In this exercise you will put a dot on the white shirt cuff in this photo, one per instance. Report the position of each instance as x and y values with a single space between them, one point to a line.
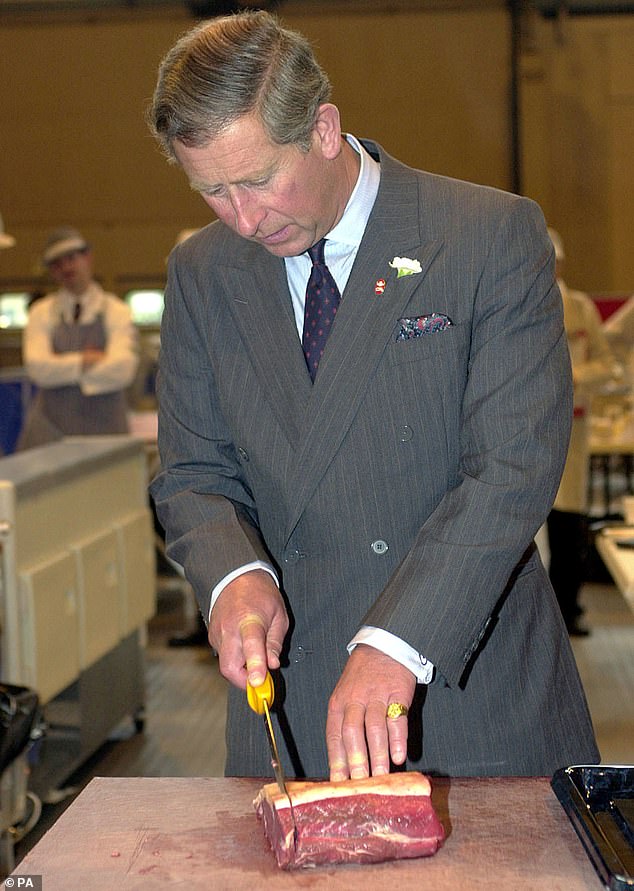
248 567
393 646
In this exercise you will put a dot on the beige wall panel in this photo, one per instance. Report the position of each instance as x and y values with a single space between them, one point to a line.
77 149
621 240
578 142
432 86
621 62
535 132
621 88
580 165
421 84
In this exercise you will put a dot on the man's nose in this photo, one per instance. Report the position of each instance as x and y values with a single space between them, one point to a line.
64 267
248 214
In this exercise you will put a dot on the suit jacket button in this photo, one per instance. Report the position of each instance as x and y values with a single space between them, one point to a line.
292 557
406 433
243 454
300 654
379 546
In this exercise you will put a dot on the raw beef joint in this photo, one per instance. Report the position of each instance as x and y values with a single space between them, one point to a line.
355 821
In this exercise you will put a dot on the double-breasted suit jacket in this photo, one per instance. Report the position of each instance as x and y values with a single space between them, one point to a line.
403 489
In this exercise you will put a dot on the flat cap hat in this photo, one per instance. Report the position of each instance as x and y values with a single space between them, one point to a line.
61 242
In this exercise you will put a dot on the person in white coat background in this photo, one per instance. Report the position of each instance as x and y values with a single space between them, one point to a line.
80 348
592 365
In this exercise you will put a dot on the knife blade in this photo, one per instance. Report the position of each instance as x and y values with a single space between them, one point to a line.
260 700
275 756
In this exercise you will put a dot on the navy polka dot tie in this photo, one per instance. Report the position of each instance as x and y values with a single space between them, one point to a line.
322 300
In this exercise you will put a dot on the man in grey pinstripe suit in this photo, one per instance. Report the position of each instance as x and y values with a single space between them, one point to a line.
367 537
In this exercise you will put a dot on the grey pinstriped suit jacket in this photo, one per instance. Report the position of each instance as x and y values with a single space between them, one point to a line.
403 490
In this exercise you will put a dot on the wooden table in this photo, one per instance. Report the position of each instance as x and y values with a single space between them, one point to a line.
202 833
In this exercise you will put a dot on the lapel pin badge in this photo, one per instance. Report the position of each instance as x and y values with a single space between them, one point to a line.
379 287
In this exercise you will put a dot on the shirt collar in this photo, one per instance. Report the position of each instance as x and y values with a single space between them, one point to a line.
350 228
91 300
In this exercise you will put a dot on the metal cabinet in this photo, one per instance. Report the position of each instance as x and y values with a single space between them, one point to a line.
77 585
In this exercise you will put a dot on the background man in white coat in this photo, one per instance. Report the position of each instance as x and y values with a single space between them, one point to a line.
80 347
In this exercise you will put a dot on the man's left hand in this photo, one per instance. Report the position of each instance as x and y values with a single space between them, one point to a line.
361 738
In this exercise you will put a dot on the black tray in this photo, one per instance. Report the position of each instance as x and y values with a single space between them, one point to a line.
599 800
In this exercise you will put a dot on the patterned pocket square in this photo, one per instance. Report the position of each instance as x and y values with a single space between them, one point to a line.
416 327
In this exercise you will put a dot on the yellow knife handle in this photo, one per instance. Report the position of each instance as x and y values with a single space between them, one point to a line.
257 696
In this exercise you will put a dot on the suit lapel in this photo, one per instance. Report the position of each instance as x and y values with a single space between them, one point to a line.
262 309
365 324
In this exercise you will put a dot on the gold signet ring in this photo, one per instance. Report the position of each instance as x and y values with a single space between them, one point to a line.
396 709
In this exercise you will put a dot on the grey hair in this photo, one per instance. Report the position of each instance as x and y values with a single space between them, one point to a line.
229 67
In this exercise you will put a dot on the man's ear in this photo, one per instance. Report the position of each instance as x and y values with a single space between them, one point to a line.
327 131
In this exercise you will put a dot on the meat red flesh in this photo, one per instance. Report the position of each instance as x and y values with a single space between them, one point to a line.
356 821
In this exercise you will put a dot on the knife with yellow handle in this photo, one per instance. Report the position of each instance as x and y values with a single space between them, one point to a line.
261 699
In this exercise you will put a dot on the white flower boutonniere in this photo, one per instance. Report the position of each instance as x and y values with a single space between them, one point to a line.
405 266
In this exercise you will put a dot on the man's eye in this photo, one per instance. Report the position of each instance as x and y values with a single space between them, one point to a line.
261 183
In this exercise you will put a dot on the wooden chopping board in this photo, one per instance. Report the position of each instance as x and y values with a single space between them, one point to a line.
202 833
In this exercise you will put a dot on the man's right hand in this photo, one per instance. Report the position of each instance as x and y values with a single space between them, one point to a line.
247 628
